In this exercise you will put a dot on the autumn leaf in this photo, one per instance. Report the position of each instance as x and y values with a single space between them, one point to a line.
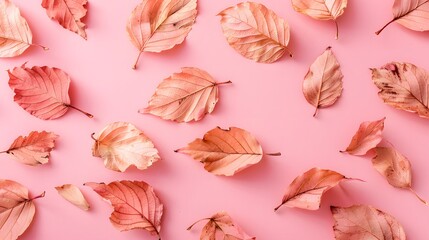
225 151
321 9
306 190
158 25
412 14
221 226
185 96
17 209
323 83
33 149
73 194
68 13
135 204
403 86
42 91
365 222
368 136
255 32
121 145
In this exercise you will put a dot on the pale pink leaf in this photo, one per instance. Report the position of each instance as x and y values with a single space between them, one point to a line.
368 136
73 194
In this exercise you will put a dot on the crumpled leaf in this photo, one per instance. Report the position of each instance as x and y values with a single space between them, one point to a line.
321 9
368 136
306 190
121 145
323 83
225 151
42 91
403 86
135 204
17 209
68 13
221 226
365 222
185 96
158 25
73 194
412 14
395 167
33 149
255 32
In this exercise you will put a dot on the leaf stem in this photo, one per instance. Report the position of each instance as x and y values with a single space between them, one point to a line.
36 197
277 208
316 111
223 83
137 60
421 199
93 138
6 151
274 154
79 110
38 45
387 24
192 225
336 26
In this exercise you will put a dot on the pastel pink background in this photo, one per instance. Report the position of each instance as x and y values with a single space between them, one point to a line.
264 99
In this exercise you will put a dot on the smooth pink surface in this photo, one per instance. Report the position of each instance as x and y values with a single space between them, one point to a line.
264 99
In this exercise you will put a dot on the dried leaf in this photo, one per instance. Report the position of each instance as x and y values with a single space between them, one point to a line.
185 96
306 191
323 83
73 194
321 9
16 209
158 25
365 222
42 91
221 226
33 149
255 31
395 167
403 86
135 204
68 13
225 151
412 14
368 136
121 145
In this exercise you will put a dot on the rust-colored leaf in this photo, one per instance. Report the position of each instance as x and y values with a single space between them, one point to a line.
365 222
323 83
255 31
368 136
68 13
73 194
121 145
185 96
135 204
158 25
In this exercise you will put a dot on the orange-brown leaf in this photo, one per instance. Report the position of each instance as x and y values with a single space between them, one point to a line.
368 136
73 194
255 31
121 145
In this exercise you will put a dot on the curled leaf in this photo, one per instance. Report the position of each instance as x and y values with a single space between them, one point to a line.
185 96
255 31
368 136
135 204
121 145
73 194
365 222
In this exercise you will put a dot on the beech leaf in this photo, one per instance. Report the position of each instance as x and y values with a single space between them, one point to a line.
221 226
68 13
365 222
255 31
135 204
121 145
17 209
368 136
403 86
73 194
323 83
158 25
321 9
185 96
306 190
412 14
225 151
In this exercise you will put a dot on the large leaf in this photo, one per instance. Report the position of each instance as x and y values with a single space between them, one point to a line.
368 136
73 194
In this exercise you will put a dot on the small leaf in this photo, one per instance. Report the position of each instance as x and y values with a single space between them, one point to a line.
73 194
135 204
121 145
255 32
365 222
368 136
